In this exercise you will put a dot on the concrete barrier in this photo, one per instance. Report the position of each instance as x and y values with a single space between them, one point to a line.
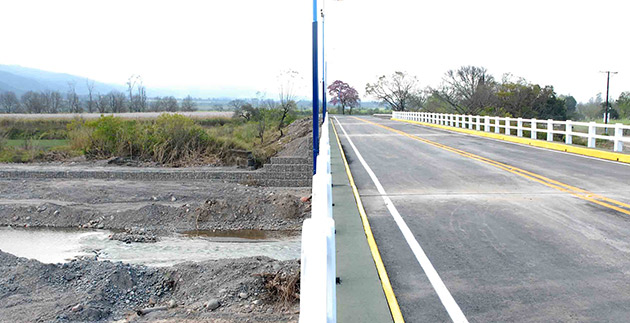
318 301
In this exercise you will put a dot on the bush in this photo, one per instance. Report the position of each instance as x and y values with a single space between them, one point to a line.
169 139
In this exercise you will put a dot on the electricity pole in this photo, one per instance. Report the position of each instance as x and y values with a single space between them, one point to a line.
315 90
607 89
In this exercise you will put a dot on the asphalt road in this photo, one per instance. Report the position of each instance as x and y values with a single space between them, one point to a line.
507 248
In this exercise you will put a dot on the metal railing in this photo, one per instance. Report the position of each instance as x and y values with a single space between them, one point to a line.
591 131
318 301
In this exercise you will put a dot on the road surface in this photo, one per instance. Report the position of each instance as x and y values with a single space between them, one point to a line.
476 229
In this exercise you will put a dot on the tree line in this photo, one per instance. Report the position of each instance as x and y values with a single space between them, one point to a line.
472 90
134 100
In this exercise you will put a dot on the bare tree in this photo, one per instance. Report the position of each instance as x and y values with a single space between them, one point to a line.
55 102
141 98
188 104
468 90
287 88
399 91
131 83
91 104
117 101
170 104
102 103
74 105
33 102
9 102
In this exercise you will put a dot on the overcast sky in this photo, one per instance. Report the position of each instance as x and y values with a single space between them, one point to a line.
245 44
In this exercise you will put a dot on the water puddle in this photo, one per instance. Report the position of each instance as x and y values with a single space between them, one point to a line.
243 235
62 245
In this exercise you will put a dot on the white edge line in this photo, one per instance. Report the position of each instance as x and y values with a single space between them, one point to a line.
513 143
445 296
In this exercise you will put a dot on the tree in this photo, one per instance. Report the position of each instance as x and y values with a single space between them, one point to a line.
170 104
9 102
399 91
117 101
623 105
33 102
287 105
244 110
91 104
343 95
468 90
102 103
74 105
55 102
131 83
188 104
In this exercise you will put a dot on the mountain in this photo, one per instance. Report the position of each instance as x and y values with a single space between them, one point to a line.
23 79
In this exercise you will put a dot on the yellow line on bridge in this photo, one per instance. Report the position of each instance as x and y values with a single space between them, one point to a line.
575 191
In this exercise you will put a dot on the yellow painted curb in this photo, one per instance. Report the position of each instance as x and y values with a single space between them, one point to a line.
624 158
376 255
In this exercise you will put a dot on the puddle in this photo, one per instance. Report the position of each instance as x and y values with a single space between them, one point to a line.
243 235
62 245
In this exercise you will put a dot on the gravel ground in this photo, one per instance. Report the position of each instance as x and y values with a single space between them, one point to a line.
99 291
160 207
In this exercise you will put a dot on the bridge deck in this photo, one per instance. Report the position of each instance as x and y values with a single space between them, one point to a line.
513 233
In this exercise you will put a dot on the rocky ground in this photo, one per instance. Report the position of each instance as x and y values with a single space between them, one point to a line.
158 207
240 290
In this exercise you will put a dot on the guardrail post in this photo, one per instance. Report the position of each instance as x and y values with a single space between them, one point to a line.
549 129
486 126
470 122
568 132
519 127
618 144
533 126
508 126
478 123
496 125
592 132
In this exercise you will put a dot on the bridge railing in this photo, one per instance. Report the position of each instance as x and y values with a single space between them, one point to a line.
318 302
616 134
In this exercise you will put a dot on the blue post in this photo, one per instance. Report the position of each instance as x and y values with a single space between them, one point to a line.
315 91
324 72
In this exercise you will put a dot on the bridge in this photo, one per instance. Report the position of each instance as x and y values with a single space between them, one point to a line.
444 218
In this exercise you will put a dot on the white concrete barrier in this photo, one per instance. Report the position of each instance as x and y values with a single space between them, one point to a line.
615 133
318 300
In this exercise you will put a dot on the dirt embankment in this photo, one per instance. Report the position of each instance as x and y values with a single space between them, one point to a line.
237 290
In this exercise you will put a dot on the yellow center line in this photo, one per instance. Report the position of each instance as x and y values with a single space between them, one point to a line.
394 308
575 191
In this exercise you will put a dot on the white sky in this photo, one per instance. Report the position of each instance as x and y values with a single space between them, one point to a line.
246 43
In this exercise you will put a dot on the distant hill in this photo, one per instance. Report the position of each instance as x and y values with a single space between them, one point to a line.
23 79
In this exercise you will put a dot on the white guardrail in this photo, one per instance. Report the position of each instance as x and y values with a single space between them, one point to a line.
318 300
516 126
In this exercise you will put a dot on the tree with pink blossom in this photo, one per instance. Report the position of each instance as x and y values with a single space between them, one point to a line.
343 95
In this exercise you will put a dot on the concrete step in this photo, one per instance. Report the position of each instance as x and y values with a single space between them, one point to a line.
290 160
302 168
285 183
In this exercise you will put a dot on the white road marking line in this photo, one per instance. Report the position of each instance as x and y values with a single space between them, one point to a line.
445 296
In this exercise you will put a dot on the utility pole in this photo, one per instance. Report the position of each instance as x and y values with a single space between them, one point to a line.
323 67
607 95
315 90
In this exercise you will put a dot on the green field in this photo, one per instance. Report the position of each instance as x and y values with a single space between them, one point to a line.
43 144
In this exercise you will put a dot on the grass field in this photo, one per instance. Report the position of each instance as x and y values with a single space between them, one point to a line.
43 144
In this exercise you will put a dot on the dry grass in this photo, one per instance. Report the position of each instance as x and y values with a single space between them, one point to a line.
283 288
